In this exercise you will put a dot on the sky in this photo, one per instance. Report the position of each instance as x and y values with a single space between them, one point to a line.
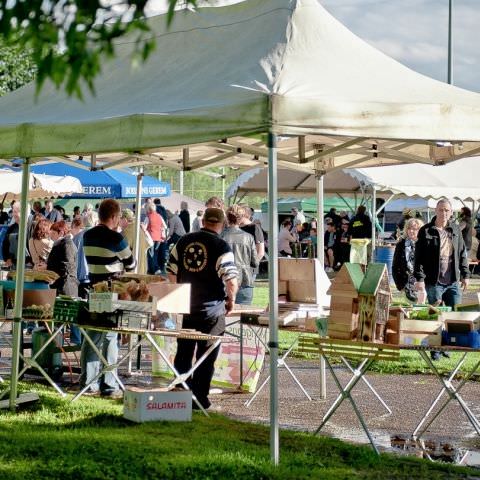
414 32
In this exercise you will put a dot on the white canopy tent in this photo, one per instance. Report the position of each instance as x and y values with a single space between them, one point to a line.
280 67
458 180
39 186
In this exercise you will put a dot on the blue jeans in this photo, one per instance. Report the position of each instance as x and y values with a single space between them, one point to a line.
244 296
90 364
152 258
450 294
75 335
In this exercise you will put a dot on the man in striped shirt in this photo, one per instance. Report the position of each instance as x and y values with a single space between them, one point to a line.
106 250
204 260
108 254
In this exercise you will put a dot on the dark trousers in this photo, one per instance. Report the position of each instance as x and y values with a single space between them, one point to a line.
162 258
200 381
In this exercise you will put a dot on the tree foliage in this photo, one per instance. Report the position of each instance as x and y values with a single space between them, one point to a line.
67 38
16 68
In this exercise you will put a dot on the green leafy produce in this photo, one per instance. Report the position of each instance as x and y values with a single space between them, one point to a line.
423 315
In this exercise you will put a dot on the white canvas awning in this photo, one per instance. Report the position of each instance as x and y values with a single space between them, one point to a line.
285 66
291 183
40 186
457 180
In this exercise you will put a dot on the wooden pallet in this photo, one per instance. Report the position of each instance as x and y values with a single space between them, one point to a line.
348 349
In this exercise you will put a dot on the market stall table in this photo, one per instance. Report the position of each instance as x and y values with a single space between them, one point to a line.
55 332
281 362
149 337
368 353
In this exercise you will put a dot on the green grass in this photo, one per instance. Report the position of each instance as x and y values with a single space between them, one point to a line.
89 439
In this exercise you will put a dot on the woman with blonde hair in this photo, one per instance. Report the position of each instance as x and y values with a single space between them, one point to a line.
404 259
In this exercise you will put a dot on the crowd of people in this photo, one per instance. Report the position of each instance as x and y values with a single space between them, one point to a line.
339 229
218 253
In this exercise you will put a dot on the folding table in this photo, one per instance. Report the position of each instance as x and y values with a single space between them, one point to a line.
148 336
281 362
55 330
366 354
447 386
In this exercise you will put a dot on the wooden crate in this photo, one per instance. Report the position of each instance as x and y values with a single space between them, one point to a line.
403 331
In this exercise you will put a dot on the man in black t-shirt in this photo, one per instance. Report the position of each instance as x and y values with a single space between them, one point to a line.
204 260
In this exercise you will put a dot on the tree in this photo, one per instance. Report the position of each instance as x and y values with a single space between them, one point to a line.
67 38
16 68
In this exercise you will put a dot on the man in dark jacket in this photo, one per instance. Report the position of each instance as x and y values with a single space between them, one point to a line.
205 261
441 264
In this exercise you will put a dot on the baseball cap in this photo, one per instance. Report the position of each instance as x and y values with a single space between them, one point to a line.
214 215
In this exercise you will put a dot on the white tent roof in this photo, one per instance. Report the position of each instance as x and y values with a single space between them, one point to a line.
454 180
40 186
291 182
281 65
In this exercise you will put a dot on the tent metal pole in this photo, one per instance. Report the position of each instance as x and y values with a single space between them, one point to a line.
223 184
181 178
273 295
450 43
138 208
321 260
374 219
387 201
17 308
320 222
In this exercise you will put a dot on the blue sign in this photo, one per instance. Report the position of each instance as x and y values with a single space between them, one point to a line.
110 183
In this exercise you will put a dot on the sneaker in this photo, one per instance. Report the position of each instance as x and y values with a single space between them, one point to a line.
115 394
328 269
91 393
445 354
434 355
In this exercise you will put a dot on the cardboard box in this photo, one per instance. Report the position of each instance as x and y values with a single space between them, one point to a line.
282 287
109 302
306 280
302 291
470 318
420 332
171 297
141 405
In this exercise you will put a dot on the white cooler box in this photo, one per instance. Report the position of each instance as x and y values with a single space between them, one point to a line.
142 405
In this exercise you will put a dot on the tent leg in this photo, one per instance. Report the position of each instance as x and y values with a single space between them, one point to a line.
17 309
374 221
321 259
320 222
136 244
138 207
273 295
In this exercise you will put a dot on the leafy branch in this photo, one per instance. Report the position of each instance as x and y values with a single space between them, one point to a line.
68 39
